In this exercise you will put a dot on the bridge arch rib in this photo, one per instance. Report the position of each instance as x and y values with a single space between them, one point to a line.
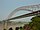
15 11
26 8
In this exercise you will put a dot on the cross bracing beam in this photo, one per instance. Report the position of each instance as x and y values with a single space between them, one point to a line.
26 15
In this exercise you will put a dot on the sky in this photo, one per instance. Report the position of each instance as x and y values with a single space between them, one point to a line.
7 6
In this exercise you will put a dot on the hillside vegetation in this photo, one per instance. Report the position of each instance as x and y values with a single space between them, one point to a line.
35 24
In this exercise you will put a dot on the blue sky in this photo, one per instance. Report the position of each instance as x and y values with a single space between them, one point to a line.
7 6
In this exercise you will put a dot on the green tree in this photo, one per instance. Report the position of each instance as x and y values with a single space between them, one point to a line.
35 24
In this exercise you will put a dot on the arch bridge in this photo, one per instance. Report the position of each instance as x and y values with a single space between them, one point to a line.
35 10
32 8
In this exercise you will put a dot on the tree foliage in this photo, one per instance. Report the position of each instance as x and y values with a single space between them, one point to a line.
35 24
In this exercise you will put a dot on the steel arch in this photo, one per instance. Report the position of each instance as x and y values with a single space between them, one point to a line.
26 8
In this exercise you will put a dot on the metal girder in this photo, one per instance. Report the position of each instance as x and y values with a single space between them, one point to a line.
26 15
